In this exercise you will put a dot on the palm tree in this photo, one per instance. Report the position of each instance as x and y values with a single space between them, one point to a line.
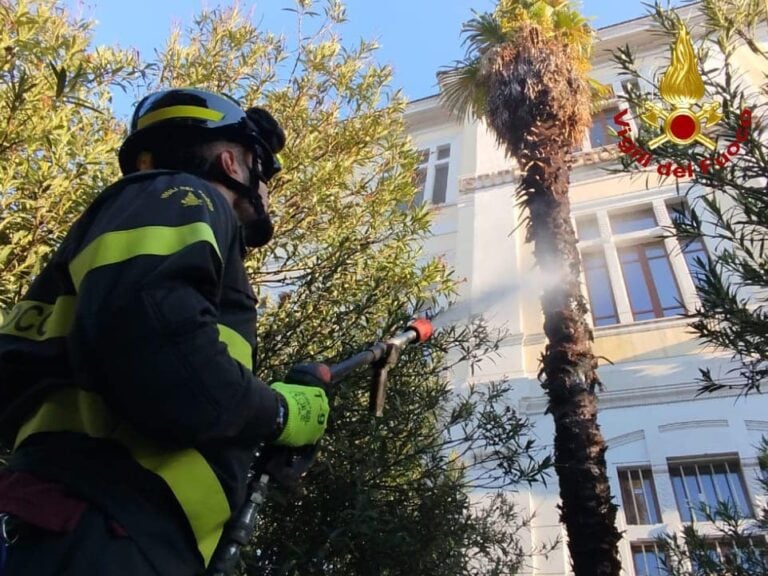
525 74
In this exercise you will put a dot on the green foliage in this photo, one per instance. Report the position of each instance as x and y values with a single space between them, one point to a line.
58 136
555 18
464 85
729 203
344 270
389 495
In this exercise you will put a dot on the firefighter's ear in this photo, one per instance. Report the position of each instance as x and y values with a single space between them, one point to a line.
232 163
144 161
227 161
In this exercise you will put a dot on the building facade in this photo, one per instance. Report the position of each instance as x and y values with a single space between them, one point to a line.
669 449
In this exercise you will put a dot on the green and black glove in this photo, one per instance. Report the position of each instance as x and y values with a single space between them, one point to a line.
306 416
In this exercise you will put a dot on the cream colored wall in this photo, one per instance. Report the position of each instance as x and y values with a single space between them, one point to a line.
638 344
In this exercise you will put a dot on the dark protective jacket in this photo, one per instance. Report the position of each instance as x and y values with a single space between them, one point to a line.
127 366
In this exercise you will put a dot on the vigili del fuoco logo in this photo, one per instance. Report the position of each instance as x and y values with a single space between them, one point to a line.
685 120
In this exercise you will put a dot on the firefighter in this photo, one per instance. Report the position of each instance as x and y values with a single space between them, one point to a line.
126 370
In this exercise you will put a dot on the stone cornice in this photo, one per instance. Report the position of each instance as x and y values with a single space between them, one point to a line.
468 184
473 183
595 156
757 425
627 438
674 426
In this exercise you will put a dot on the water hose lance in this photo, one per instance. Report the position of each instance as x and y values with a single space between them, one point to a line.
382 356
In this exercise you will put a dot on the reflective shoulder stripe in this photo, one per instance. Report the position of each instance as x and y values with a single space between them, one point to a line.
114 247
186 472
38 320
239 348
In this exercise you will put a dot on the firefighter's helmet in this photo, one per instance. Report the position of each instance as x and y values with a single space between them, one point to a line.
198 116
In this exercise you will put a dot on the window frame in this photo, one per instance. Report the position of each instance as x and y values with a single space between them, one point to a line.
654 510
722 547
663 202
658 310
618 88
693 512
595 320
640 546
430 167
615 107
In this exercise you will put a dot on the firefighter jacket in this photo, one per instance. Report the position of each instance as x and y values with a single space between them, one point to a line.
127 366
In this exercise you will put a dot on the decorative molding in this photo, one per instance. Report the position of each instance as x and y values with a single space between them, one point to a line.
625 200
469 184
627 438
513 339
757 425
693 424
618 329
595 156
633 396
534 339
641 326
748 462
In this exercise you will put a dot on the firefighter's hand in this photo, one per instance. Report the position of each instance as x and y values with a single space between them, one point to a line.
307 413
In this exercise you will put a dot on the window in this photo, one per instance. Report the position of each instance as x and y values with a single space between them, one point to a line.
648 560
653 277
749 557
420 180
651 285
602 131
634 221
432 174
420 177
693 249
601 299
440 186
698 484
638 495
587 228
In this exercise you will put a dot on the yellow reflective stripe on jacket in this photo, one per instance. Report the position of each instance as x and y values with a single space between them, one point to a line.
186 472
239 348
38 320
114 247
179 112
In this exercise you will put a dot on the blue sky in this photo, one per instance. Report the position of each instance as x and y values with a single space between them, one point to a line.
417 37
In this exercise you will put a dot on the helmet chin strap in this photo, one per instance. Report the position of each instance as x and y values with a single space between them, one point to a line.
259 231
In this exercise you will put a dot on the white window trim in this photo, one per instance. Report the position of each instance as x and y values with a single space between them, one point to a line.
451 191
649 542
610 243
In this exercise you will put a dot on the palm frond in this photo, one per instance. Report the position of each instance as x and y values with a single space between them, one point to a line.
462 90
541 14
482 33
599 94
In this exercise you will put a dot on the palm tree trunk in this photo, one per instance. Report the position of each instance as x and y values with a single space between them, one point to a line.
568 371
